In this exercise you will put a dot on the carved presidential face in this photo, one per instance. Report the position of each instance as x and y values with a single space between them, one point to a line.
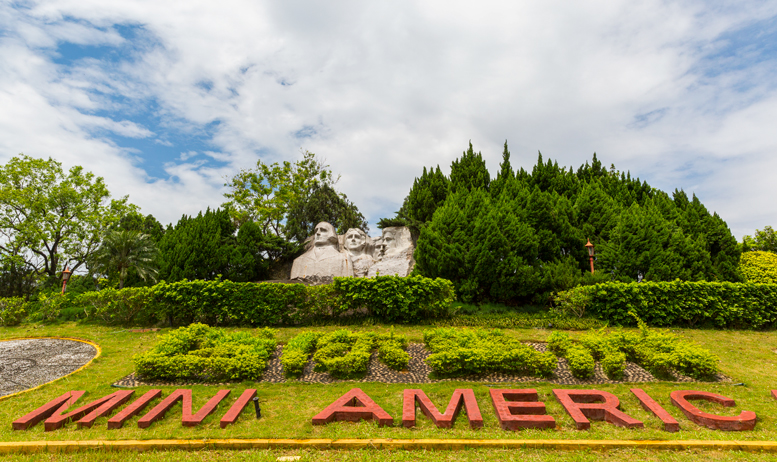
389 241
325 235
355 240
378 251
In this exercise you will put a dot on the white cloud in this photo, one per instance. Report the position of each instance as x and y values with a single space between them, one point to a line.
382 89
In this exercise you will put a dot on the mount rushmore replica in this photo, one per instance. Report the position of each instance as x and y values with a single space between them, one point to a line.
354 254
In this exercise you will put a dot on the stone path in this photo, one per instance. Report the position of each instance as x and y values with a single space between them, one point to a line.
31 362
419 372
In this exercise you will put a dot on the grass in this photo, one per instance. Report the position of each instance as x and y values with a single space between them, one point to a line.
287 409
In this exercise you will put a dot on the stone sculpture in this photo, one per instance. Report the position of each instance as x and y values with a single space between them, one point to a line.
397 253
357 244
354 254
324 260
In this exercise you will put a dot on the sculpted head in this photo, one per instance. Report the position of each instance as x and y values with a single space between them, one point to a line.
325 235
355 241
395 241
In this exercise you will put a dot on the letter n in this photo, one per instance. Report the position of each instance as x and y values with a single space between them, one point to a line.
56 405
461 397
520 409
353 406
187 419
744 421
596 405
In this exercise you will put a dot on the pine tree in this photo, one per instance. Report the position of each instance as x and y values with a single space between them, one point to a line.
469 172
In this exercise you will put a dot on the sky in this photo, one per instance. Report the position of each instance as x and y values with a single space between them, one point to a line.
168 100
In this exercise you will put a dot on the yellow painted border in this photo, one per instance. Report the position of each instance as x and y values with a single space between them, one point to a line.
96 347
441 444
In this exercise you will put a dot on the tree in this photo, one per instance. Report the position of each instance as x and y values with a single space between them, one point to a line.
265 193
121 250
764 241
323 204
469 172
50 218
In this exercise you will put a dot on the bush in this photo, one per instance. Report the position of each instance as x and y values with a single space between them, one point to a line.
403 299
457 352
297 352
227 303
345 354
759 267
202 353
613 363
517 320
12 311
559 343
581 363
679 303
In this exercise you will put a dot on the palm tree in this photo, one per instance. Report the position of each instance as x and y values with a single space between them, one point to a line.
122 250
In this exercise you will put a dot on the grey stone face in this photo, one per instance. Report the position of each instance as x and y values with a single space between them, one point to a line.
324 259
355 254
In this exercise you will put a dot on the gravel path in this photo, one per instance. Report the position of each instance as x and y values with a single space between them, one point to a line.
419 372
31 362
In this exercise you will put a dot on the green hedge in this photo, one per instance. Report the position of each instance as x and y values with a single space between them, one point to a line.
12 311
206 354
677 303
462 352
227 303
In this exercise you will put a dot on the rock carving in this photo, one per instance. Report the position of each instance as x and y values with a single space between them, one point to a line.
324 259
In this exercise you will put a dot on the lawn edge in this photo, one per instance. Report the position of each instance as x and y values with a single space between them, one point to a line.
378 443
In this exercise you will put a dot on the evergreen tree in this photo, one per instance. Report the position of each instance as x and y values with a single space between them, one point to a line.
322 204
469 172
505 174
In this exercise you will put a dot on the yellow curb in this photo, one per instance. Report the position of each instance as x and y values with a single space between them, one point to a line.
96 347
378 443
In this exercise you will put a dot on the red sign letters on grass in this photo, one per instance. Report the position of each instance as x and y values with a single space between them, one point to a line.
515 409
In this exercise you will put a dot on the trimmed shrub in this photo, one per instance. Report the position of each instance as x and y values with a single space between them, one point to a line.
458 352
12 310
682 303
202 353
759 267
559 343
581 363
346 354
297 352
402 299
613 363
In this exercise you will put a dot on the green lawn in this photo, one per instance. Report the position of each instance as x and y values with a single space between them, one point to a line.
287 408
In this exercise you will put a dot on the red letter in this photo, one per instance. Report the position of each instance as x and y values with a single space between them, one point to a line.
670 424
57 405
744 421
460 397
95 409
187 419
231 416
118 420
521 411
596 405
353 406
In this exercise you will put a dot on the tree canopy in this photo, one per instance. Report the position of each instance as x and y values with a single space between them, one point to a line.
50 218
522 234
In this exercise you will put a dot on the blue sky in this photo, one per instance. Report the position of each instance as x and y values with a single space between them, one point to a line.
166 100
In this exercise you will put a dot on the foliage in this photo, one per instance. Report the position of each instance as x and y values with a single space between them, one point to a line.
516 321
764 241
683 303
559 343
205 246
581 362
202 353
12 311
520 237
759 267
659 352
462 352
401 299
124 249
323 203
344 354
50 218
297 352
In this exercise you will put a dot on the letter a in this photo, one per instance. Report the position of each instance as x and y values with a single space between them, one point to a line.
353 406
